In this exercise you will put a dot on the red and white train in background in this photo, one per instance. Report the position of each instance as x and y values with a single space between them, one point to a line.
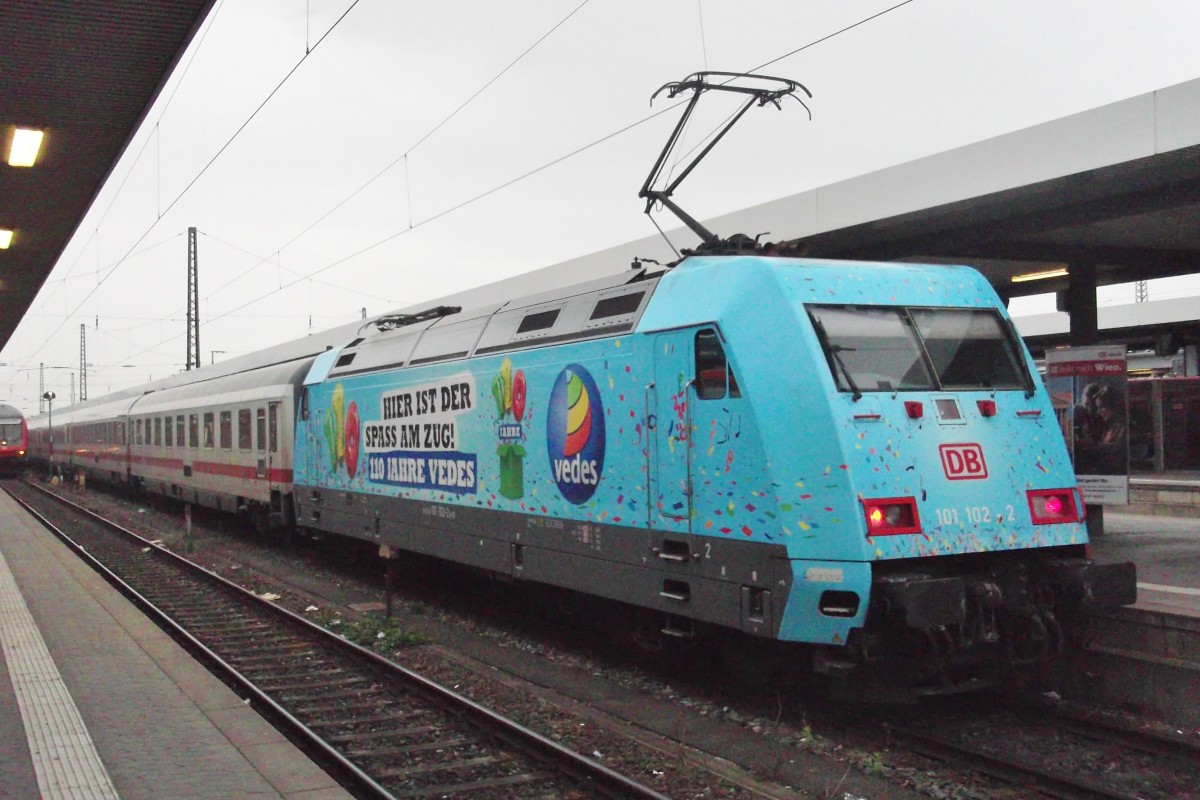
14 439
224 441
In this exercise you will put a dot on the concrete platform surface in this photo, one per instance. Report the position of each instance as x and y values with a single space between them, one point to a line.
97 702
1166 551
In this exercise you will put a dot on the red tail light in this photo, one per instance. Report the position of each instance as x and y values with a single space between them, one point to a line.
914 408
987 408
1051 506
889 516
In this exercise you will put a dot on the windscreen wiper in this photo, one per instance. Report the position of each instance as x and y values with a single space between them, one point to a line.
834 352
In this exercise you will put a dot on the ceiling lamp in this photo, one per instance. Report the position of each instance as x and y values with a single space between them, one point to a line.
26 143
1058 272
5 239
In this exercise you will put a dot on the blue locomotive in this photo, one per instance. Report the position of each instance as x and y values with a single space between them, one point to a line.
855 457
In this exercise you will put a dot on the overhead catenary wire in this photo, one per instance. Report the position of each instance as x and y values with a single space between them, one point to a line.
425 137
412 225
204 169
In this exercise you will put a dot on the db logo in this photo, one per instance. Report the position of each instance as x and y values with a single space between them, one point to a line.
963 462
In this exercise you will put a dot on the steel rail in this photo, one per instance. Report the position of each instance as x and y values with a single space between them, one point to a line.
608 782
1056 785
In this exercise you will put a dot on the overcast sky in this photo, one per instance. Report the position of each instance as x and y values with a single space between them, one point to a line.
338 155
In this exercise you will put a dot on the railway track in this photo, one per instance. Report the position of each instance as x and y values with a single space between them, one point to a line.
1060 753
383 730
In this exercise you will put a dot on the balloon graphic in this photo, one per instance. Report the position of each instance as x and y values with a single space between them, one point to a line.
579 416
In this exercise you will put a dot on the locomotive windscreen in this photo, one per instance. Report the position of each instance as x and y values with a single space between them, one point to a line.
891 348
10 431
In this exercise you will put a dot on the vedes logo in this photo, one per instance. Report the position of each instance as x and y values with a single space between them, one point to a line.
963 462
575 434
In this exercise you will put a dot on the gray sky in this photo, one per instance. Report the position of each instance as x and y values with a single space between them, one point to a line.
423 148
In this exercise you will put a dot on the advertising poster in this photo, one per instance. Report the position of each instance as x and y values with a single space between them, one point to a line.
1088 387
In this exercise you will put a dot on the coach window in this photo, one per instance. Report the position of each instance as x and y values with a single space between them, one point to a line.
179 430
244 429
274 408
261 428
168 432
193 430
209 424
226 430
158 431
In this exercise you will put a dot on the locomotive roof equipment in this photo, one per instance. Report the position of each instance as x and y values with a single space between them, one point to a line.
699 83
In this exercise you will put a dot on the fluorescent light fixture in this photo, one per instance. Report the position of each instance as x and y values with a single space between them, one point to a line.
5 238
1057 272
26 143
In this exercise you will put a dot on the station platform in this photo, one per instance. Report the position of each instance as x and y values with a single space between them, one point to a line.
97 702
1166 550
1169 494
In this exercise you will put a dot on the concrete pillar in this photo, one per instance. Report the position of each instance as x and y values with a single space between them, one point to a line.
1079 301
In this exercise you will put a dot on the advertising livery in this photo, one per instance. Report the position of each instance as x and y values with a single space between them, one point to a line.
786 447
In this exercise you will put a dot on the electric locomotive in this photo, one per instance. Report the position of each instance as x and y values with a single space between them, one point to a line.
14 439
857 458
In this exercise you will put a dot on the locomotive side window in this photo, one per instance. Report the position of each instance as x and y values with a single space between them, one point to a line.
244 429
538 321
617 306
713 374
261 426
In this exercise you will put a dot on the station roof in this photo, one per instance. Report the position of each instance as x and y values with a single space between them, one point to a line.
86 73
1117 186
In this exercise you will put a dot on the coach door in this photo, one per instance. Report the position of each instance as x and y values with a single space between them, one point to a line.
669 457
273 455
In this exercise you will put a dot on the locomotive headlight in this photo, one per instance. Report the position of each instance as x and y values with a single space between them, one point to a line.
1050 506
891 516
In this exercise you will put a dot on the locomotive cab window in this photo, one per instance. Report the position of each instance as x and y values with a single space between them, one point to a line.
893 348
970 348
714 377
